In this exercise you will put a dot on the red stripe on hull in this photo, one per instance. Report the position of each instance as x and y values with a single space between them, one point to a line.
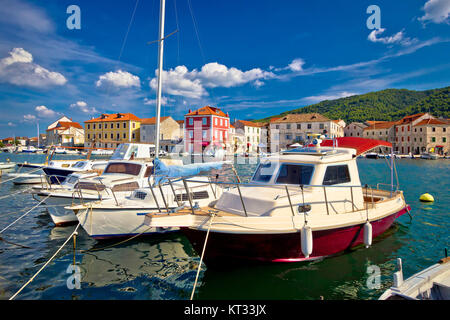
282 247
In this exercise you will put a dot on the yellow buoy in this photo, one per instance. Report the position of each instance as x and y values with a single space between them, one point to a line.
426 197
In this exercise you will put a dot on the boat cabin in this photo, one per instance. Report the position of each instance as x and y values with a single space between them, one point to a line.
329 177
132 151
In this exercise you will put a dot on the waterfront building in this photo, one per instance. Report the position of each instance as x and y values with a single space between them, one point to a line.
55 123
298 128
381 130
403 132
206 126
65 133
109 130
170 133
431 135
354 129
254 134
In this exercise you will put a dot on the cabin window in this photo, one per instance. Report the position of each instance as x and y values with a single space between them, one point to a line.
336 175
295 174
125 168
264 172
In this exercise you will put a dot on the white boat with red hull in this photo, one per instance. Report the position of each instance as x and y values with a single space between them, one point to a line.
304 204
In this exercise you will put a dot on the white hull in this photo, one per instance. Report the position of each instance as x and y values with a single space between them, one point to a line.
106 223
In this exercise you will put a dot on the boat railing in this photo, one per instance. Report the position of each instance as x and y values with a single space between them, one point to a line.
364 188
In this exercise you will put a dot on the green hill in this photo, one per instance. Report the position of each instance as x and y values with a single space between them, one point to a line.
389 104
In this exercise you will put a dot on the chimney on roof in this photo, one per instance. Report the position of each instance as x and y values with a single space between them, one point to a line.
190 111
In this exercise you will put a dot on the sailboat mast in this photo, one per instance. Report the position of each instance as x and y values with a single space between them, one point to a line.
160 67
38 133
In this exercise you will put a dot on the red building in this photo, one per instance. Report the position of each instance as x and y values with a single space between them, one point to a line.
204 127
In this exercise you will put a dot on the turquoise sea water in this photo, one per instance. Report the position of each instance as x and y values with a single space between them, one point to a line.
164 266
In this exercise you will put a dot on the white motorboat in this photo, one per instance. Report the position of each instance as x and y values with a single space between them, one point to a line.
303 205
120 177
432 283
57 171
21 178
428 156
122 217
102 152
372 155
7 165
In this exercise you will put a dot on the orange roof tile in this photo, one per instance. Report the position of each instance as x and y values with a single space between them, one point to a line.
411 118
302 117
63 125
381 125
250 123
115 117
432 121
207 110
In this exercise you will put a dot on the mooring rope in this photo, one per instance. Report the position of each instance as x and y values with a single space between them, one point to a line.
54 255
201 258
24 214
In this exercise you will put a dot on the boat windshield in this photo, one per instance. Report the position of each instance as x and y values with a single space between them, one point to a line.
120 152
295 174
79 164
265 171
124 168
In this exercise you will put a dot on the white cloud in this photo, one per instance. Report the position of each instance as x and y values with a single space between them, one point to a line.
18 69
29 118
25 16
318 98
296 64
177 82
399 37
83 107
118 79
164 101
191 84
437 11
44 112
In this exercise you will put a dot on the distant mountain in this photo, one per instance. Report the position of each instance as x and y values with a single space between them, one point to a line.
389 104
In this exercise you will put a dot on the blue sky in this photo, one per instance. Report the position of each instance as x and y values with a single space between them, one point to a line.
250 58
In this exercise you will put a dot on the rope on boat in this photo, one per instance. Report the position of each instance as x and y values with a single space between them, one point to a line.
52 257
201 258
20 176
24 214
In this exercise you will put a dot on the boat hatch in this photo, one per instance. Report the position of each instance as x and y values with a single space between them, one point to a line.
310 151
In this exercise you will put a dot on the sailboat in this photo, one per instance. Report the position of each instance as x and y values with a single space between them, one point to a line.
125 216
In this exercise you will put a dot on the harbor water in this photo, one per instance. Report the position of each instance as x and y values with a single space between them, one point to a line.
165 266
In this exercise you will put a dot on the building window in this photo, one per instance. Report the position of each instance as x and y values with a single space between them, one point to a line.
88 126
444 139
124 125
443 129
124 135
309 126
191 133
277 126
106 136
118 125
433 139
112 125
99 125
221 122
93 126
336 175
134 125
321 126
226 123
112 136
288 126
89 136
191 121
204 121
299 126
204 133
288 137
133 135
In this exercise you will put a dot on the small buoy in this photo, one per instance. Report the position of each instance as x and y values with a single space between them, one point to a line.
426 197
307 241
367 234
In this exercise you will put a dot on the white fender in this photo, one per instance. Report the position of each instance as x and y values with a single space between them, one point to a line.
367 234
306 241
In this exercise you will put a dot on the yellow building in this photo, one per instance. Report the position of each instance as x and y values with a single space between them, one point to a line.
109 130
